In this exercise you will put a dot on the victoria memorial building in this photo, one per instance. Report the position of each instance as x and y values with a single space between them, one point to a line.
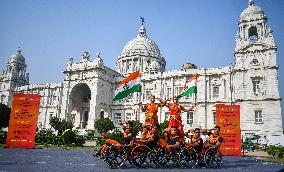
88 87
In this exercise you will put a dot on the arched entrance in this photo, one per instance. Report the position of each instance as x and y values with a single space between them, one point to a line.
80 97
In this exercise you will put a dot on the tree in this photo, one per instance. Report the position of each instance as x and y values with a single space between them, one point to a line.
60 125
164 125
4 115
104 124
137 126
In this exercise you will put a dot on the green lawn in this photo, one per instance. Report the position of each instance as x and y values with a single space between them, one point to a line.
269 159
46 146
277 160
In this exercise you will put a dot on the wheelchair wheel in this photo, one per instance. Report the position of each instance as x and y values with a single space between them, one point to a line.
213 158
173 158
115 158
169 159
98 154
154 155
162 158
140 156
187 158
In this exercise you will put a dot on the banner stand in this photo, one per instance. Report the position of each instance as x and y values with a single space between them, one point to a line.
228 119
23 121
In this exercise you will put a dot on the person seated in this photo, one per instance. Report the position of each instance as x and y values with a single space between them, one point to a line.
173 139
128 135
204 135
126 140
152 138
100 151
146 129
188 135
196 141
215 139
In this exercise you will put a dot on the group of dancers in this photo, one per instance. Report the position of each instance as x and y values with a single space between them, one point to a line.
173 136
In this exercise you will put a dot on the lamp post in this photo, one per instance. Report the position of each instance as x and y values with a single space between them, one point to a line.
231 86
205 101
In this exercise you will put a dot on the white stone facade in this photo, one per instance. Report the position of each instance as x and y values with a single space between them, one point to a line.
88 87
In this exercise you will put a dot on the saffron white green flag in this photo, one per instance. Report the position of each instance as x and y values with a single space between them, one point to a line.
128 85
190 86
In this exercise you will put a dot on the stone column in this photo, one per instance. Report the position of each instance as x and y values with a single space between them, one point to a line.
172 86
95 106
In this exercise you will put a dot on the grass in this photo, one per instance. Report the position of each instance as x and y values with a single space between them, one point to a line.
47 146
268 159
277 160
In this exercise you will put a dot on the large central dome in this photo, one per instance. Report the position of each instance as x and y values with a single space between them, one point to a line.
141 45
141 53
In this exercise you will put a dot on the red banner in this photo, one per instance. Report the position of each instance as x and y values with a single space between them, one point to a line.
23 121
228 118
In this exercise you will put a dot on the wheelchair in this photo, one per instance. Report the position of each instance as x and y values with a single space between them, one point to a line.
116 157
213 158
143 156
188 157
169 159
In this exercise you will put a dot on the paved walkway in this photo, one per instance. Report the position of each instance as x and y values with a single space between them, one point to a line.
90 143
258 154
42 160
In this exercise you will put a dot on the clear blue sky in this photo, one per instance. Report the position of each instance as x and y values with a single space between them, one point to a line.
200 32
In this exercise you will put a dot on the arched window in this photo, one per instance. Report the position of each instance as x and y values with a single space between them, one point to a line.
253 36
86 118
102 114
19 72
128 67
3 99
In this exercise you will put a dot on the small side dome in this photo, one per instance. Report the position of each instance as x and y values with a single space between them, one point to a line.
18 57
155 66
251 10
189 66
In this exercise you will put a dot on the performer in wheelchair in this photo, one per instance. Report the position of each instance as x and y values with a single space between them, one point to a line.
215 139
126 140
173 139
175 115
128 135
152 137
196 141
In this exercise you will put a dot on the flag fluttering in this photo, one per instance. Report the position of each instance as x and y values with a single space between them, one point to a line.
189 87
128 85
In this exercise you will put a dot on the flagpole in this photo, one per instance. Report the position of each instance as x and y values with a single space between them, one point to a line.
195 98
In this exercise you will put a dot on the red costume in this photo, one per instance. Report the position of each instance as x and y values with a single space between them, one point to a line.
175 118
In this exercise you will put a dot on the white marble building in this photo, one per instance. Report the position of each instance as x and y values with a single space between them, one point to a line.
88 87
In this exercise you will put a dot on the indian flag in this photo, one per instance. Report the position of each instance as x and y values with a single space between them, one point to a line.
128 85
190 86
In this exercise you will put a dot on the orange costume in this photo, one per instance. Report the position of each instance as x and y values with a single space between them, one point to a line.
151 113
213 139
107 142
175 118
126 139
